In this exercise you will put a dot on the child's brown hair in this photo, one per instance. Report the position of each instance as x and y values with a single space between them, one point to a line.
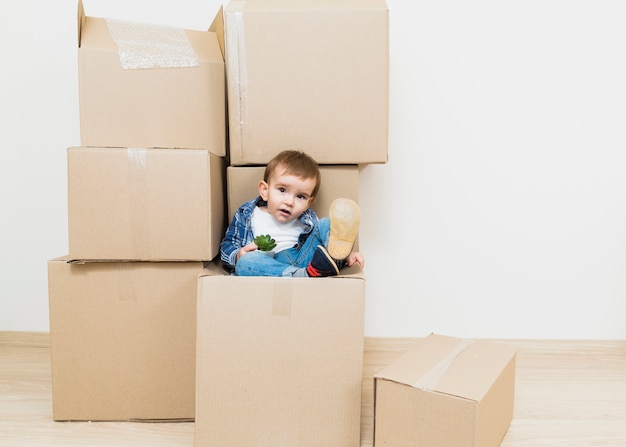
296 163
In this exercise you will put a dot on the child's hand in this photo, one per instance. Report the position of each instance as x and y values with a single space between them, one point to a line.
250 247
355 257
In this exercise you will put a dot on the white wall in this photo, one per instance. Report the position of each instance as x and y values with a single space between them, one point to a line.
501 210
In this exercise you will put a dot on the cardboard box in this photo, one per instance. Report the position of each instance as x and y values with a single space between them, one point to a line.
446 392
279 360
122 340
337 181
145 204
317 82
143 85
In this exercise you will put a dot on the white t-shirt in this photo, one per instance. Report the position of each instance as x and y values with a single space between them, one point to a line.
285 234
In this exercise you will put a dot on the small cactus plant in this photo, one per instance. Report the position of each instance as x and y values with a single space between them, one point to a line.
265 242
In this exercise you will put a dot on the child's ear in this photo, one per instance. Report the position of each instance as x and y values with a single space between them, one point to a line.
263 188
311 200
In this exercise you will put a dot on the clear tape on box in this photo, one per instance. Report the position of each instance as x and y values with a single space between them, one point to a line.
138 203
236 63
430 380
142 46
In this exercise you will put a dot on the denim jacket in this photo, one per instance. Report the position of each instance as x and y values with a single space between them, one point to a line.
239 232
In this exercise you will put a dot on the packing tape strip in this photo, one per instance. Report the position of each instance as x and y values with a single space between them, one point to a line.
282 297
151 46
138 202
236 62
431 378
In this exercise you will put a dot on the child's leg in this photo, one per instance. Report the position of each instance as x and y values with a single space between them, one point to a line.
319 236
336 233
299 261
258 263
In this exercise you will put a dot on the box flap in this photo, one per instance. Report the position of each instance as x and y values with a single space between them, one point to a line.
416 362
81 19
217 26
449 365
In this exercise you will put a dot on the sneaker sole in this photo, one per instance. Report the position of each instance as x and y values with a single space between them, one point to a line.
345 218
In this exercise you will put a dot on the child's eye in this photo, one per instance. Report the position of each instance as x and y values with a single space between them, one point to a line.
301 197
281 189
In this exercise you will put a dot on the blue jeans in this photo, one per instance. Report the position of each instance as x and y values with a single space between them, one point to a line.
289 262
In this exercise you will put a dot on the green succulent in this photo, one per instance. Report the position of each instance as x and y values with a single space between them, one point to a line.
265 242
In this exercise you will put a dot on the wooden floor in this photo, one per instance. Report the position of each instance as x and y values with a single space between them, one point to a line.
568 394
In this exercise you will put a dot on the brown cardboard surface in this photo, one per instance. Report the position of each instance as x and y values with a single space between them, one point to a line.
446 391
317 82
183 107
279 360
122 339
144 204
337 181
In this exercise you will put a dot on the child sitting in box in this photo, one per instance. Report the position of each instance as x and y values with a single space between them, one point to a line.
305 245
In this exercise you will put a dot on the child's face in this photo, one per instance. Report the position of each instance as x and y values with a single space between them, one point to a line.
287 196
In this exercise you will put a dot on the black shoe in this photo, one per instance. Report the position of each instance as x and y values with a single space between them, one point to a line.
322 264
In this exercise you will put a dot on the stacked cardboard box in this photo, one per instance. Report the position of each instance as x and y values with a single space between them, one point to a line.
146 210
122 340
307 75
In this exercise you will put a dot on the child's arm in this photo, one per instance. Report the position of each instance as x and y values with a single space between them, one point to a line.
232 243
